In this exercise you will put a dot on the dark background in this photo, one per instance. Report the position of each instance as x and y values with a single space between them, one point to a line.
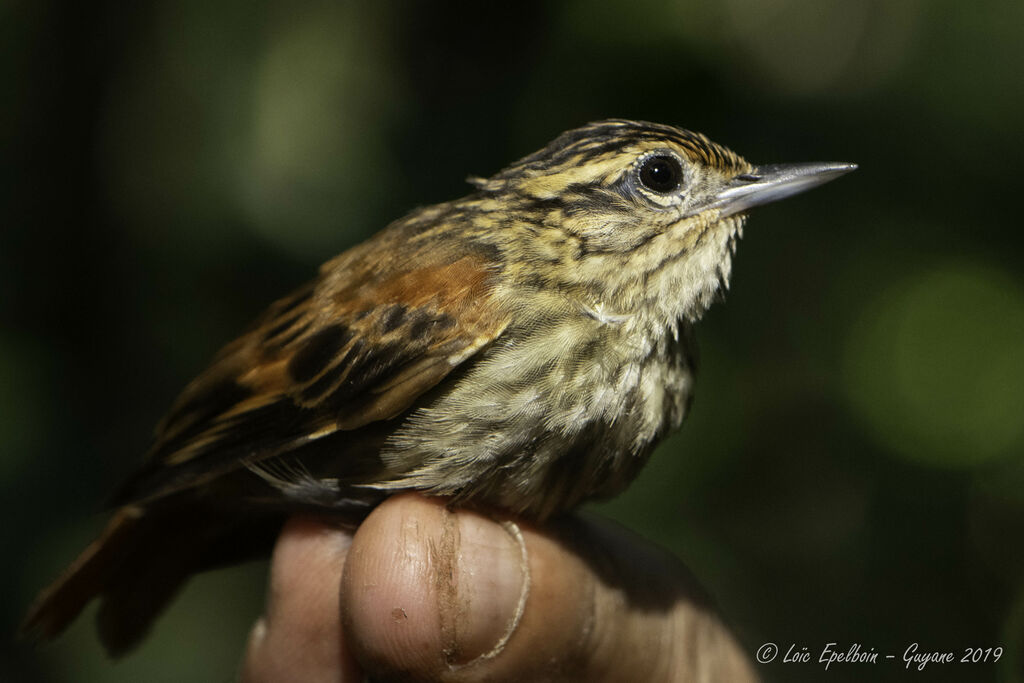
852 469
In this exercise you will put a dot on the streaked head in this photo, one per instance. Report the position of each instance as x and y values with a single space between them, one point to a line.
625 199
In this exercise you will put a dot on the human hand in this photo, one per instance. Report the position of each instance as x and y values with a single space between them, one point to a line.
424 592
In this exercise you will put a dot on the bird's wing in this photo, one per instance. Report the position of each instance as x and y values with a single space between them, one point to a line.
358 345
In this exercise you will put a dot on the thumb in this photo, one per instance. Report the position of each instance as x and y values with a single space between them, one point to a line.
439 594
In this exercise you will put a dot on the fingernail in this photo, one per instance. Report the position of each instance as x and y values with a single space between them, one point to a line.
254 652
258 633
481 581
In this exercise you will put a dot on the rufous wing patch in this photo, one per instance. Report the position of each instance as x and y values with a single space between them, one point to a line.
335 356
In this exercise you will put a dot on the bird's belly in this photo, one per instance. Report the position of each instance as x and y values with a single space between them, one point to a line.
539 428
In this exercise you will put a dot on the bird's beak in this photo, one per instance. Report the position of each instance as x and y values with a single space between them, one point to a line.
773 182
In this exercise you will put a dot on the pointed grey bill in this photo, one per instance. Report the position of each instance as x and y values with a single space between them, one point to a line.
774 182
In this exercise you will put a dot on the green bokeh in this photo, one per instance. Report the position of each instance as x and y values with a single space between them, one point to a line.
935 365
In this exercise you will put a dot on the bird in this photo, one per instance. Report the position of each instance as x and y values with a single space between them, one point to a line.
523 348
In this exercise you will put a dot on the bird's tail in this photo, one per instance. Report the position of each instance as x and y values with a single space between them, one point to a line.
137 565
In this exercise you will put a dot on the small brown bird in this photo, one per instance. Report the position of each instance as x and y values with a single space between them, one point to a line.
524 347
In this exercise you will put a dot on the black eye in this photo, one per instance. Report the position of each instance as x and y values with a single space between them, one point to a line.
661 173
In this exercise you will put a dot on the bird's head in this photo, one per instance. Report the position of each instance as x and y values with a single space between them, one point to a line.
639 214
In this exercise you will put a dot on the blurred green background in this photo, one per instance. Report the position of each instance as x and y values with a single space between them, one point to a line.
852 469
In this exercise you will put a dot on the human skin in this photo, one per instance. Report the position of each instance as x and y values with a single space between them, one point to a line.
425 592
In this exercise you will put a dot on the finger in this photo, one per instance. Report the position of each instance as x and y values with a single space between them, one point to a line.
432 593
299 638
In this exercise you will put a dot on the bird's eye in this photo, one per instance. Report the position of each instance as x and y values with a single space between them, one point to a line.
661 173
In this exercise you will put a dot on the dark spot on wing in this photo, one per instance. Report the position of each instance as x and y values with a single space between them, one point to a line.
422 322
329 378
318 352
392 317
372 365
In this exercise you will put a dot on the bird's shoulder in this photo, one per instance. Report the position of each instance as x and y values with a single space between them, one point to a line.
382 323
